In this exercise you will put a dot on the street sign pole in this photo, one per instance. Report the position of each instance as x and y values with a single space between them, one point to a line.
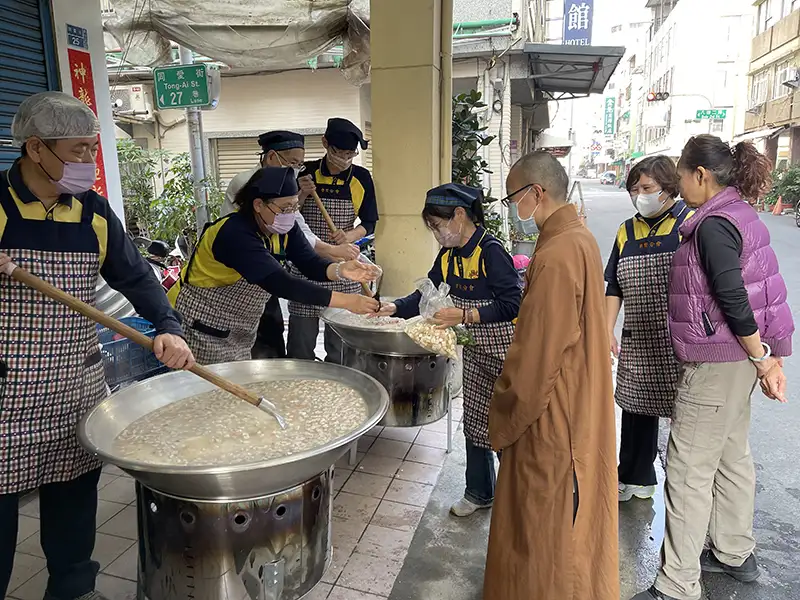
194 120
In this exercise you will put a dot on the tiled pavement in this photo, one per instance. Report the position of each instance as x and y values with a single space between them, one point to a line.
377 508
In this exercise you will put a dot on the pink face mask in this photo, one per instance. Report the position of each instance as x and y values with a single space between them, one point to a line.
77 177
283 223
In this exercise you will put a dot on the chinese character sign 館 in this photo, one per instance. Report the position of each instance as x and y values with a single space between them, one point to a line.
610 116
578 16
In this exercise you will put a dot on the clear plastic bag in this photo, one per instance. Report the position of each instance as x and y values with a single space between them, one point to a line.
424 332
433 299
429 336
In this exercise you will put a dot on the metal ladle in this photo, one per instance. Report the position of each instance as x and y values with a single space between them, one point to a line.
113 324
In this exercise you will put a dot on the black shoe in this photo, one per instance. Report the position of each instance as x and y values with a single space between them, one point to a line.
652 594
747 573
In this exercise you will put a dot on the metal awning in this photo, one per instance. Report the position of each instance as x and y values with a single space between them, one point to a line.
758 134
564 72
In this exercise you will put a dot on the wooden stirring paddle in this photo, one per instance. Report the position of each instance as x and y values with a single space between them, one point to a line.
113 324
334 229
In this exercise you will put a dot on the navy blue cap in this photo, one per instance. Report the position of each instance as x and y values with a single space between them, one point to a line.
272 182
453 194
344 135
281 140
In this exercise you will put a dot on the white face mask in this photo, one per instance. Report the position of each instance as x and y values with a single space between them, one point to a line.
649 205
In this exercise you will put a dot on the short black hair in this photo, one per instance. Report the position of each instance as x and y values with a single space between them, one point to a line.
543 168
660 169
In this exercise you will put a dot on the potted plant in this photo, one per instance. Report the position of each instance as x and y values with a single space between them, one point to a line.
469 138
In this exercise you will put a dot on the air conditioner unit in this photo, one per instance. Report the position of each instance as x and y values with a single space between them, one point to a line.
132 101
792 78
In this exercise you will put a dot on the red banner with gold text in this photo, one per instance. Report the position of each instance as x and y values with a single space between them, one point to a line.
80 70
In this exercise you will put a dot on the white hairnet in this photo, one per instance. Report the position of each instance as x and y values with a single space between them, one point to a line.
53 116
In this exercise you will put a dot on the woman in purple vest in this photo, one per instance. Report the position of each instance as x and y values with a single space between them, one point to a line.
731 327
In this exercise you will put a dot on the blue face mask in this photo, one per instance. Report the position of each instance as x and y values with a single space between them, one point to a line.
524 226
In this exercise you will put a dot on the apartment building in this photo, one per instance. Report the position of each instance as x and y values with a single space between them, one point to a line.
707 90
772 121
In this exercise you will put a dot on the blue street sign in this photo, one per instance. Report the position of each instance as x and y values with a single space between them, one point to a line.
77 37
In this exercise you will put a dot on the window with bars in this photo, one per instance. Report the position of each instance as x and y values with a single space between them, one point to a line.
717 125
782 72
758 88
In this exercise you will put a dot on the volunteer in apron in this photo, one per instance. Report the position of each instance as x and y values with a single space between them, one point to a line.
232 271
637 274
51 369
348 194
281 149
485 288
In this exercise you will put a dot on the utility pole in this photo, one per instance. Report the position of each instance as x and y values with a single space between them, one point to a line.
194 120
571 136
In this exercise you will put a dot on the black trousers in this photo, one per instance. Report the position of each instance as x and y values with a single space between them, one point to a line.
269 342
638 449
68 515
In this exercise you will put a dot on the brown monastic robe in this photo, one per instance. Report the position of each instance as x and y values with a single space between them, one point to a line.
552 412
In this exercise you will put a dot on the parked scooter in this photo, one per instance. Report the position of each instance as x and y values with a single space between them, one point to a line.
168 262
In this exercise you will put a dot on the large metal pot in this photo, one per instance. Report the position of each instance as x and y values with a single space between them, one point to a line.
415 378
101 426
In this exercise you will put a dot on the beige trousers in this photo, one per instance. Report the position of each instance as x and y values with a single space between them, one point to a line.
710 485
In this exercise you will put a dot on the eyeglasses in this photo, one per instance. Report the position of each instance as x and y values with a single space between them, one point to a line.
342 154
286 210
283 161
507 200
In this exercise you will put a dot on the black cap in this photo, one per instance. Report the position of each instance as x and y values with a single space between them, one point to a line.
272 182
280 140
453 194
344 135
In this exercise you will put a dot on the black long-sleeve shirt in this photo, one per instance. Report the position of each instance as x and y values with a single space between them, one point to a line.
500 284
719 246
25 223
238 245
355 184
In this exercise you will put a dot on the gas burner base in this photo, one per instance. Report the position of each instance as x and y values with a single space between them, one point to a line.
275 547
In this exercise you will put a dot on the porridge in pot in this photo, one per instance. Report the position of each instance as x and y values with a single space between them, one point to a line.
218 429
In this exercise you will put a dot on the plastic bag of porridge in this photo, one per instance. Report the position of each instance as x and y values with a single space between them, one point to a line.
429 336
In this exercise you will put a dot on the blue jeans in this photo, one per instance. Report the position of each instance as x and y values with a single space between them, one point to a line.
481 475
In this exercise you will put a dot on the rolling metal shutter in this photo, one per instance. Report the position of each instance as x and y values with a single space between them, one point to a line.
367 159
27 62
235 155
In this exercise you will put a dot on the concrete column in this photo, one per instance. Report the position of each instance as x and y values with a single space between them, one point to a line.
794 156
407 114
771 150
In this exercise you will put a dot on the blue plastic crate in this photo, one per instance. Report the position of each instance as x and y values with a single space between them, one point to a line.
126 361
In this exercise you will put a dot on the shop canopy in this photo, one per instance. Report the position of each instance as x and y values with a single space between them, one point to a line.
249 36
562 72
759 134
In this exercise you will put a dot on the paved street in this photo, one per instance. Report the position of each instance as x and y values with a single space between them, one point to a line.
446 558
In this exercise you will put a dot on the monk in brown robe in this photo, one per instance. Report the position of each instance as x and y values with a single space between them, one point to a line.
554 524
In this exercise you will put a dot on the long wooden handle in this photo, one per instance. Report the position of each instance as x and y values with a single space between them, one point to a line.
333 228
113 324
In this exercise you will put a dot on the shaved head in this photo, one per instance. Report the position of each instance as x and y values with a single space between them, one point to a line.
541 168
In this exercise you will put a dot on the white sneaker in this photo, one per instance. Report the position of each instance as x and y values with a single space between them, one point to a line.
643 492
464 508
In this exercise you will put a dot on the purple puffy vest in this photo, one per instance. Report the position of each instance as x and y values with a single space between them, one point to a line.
693 311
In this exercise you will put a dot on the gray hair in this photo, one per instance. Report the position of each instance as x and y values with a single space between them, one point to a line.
53 116
542 168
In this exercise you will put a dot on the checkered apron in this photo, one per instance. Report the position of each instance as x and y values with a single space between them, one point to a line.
647 371
220 324
339 205
483 363
54 368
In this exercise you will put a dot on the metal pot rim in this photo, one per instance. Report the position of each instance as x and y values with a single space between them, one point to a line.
136 466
